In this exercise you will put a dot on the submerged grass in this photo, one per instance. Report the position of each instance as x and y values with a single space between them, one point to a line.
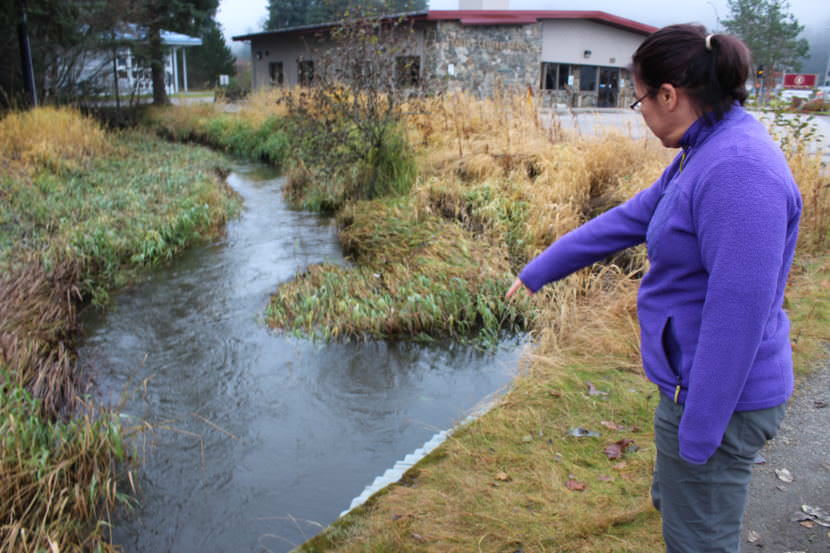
81 212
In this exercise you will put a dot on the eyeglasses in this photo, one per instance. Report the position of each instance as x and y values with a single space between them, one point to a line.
637 106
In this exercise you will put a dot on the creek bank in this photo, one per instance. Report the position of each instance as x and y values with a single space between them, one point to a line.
84 211
489 167
261 434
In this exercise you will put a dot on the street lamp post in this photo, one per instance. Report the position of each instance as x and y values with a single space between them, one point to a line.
26 55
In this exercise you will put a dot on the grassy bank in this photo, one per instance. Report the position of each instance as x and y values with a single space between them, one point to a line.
432 258
494 187
82 212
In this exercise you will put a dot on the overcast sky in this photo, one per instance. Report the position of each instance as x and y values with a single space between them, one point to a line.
243 16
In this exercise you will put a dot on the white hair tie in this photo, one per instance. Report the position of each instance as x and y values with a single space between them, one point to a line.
709 42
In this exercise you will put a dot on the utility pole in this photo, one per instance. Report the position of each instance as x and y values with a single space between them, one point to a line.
26 55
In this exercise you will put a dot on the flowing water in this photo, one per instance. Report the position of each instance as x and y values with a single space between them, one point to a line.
261 439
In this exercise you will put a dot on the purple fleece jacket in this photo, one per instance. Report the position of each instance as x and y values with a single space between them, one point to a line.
721 233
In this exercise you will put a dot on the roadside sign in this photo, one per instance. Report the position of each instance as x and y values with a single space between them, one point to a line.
800 80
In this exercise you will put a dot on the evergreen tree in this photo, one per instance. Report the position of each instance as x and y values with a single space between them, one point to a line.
211 59
770 31
182 16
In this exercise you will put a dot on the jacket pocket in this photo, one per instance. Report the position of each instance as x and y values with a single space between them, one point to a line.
670 349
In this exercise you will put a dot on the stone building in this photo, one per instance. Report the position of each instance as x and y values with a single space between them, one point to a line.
573 58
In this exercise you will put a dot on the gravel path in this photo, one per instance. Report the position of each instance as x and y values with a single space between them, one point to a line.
803 448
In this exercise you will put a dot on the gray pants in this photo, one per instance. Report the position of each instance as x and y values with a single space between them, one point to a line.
702 505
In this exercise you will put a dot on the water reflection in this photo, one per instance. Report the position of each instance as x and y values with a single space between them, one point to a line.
263 438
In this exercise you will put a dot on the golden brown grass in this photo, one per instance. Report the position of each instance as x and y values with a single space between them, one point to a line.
501 483
52 138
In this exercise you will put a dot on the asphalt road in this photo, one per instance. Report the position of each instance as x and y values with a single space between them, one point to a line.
588 122
802 447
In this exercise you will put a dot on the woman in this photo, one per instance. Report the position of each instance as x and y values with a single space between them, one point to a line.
720 225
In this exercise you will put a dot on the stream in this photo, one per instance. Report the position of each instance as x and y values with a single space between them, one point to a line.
260 439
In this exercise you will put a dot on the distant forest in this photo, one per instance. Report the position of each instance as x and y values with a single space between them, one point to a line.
291 13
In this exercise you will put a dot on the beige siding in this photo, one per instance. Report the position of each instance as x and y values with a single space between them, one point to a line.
286 49
565 41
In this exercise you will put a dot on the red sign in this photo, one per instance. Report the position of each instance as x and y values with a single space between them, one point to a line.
799 80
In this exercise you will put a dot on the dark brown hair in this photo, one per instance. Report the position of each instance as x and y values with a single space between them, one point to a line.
714 78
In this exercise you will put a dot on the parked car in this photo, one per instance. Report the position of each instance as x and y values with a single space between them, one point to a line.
788 94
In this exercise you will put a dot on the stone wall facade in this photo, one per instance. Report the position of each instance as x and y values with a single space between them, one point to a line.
482 59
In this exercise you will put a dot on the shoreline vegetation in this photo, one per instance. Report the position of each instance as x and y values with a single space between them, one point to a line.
563 463
437 210
83 211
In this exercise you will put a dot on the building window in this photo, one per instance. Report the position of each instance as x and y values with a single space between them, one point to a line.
408 71
588 78
555 76
275 72
305 72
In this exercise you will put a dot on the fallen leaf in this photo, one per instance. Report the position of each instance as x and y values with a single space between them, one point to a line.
604 478
418 537
527 438
620 466
807 524
617 449
592 390
503 477
819 515
784 475
580 432
798 516
819 404
555 393
576 486
753 536
612 425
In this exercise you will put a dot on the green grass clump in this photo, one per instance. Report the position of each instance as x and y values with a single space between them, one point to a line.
59 479
138 206
264 140
416 277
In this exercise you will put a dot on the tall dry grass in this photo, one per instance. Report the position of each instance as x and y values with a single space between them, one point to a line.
52 138
502 483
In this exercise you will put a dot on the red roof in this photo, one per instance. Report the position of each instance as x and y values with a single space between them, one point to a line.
520 17
484 17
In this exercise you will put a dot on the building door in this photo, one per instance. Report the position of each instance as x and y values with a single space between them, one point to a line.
609 82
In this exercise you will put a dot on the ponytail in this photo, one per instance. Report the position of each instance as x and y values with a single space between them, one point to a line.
711 68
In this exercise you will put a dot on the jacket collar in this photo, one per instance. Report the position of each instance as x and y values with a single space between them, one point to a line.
705 126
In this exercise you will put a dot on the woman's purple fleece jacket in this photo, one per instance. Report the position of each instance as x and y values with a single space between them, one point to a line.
721 233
